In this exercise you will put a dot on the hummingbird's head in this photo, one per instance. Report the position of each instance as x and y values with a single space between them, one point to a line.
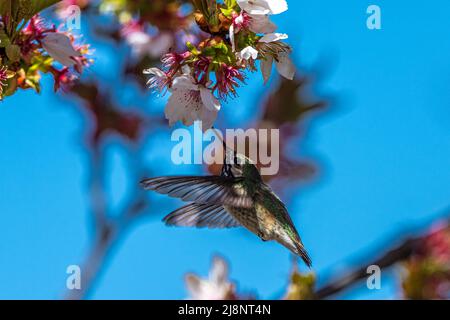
242 166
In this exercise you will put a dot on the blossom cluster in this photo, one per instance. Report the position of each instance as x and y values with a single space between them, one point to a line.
218 286
29 47
150 28
239 33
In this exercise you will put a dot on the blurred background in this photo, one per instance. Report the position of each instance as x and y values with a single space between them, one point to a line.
366 154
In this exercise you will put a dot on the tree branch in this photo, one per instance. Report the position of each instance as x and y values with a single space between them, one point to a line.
392 256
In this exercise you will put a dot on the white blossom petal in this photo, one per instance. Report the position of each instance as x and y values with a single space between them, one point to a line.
208 99
207 118
194 286
285 66
261 24
233 44
157 80
216 287
248 52
219 272
261 7
266 68
185 70
190 102
272 37
239 19
177 107
138 42
277 6
60 48
184 82
154 71
143 44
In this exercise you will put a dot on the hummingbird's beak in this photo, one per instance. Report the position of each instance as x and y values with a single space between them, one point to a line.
219 136
225 148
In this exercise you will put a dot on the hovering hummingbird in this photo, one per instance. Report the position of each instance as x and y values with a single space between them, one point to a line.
238 197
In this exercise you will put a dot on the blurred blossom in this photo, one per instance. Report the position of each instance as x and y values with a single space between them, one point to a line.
193 38
427 271
301 286
163 14
437 243
143 44
150 29
80 3
216 287
63 7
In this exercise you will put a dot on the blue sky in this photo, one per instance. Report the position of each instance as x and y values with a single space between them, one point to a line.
384 154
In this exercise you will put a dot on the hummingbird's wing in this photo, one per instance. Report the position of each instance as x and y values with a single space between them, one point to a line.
210 189
201 215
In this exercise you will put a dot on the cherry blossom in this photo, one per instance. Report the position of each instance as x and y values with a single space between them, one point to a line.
144 44
158 80
236 36
247 53
190 102
279 53
216 287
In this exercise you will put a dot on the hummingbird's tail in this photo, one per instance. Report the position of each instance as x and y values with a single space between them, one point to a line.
296 247
301 251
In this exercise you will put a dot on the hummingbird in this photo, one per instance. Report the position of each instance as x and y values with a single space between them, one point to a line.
238 197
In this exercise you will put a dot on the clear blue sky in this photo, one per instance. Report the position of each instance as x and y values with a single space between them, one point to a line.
384 155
